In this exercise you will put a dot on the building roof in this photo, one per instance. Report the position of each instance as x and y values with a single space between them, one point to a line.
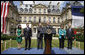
51 7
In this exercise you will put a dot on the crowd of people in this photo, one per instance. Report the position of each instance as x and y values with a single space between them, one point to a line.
68 34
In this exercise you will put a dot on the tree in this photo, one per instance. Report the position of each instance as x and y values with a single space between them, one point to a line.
82 10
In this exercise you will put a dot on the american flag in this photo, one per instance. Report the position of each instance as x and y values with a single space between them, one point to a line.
4 12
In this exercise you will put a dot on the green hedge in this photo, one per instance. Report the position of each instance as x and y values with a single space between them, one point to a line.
80 37
56 35
6 37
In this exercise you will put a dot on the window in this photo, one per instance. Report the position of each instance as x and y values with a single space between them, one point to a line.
49 10
30 5
44 10
58 20
58 30
62 21
44 19
22 20
26 5
26 10
30 10
35 10
53 19
50 19
48 6
34 19
29 19
53 10
39 10
20 17
39 19
66 16
21 9
25 19
53 6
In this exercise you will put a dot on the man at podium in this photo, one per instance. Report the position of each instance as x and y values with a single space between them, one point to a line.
48 39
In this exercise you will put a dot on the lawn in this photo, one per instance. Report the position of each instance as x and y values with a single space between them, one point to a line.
55 43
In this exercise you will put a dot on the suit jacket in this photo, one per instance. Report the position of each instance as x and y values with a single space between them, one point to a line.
46 35
39 30
27 32
70 34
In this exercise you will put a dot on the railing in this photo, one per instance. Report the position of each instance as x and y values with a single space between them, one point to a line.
74 43
10 44
5 46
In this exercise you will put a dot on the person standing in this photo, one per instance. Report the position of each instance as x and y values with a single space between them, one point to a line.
48 37
19 32
39 37
69 36
62 34
27 34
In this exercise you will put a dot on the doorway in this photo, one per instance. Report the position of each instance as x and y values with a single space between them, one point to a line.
35 31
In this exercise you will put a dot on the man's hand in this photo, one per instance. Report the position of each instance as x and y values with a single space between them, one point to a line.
19 35
72 37
62 34
66 37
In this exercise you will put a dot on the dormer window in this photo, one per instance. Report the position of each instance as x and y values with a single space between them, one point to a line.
53 6
26 5
53 10
21 9
26 10
30 5
49 10
48 6
30 10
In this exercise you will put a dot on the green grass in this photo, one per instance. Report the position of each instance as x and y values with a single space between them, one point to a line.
55 43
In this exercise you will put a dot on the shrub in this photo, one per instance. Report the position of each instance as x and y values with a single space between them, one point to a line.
7 37
56 35
3 36
80 37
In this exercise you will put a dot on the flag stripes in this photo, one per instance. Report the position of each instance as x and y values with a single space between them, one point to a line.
4 12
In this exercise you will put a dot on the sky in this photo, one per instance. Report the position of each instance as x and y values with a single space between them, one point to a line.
42 2
62 3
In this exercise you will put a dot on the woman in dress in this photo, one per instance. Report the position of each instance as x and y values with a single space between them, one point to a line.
19 32
62 34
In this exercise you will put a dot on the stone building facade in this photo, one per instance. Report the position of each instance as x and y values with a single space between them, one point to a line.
36 13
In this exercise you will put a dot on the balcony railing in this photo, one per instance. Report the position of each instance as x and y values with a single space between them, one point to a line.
39 13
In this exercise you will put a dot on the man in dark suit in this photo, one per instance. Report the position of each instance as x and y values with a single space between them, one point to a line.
27 34
40 36
48 37
69 36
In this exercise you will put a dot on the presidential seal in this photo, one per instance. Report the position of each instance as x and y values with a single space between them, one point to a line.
48 31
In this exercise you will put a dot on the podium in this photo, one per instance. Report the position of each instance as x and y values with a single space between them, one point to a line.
48 47
48 32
